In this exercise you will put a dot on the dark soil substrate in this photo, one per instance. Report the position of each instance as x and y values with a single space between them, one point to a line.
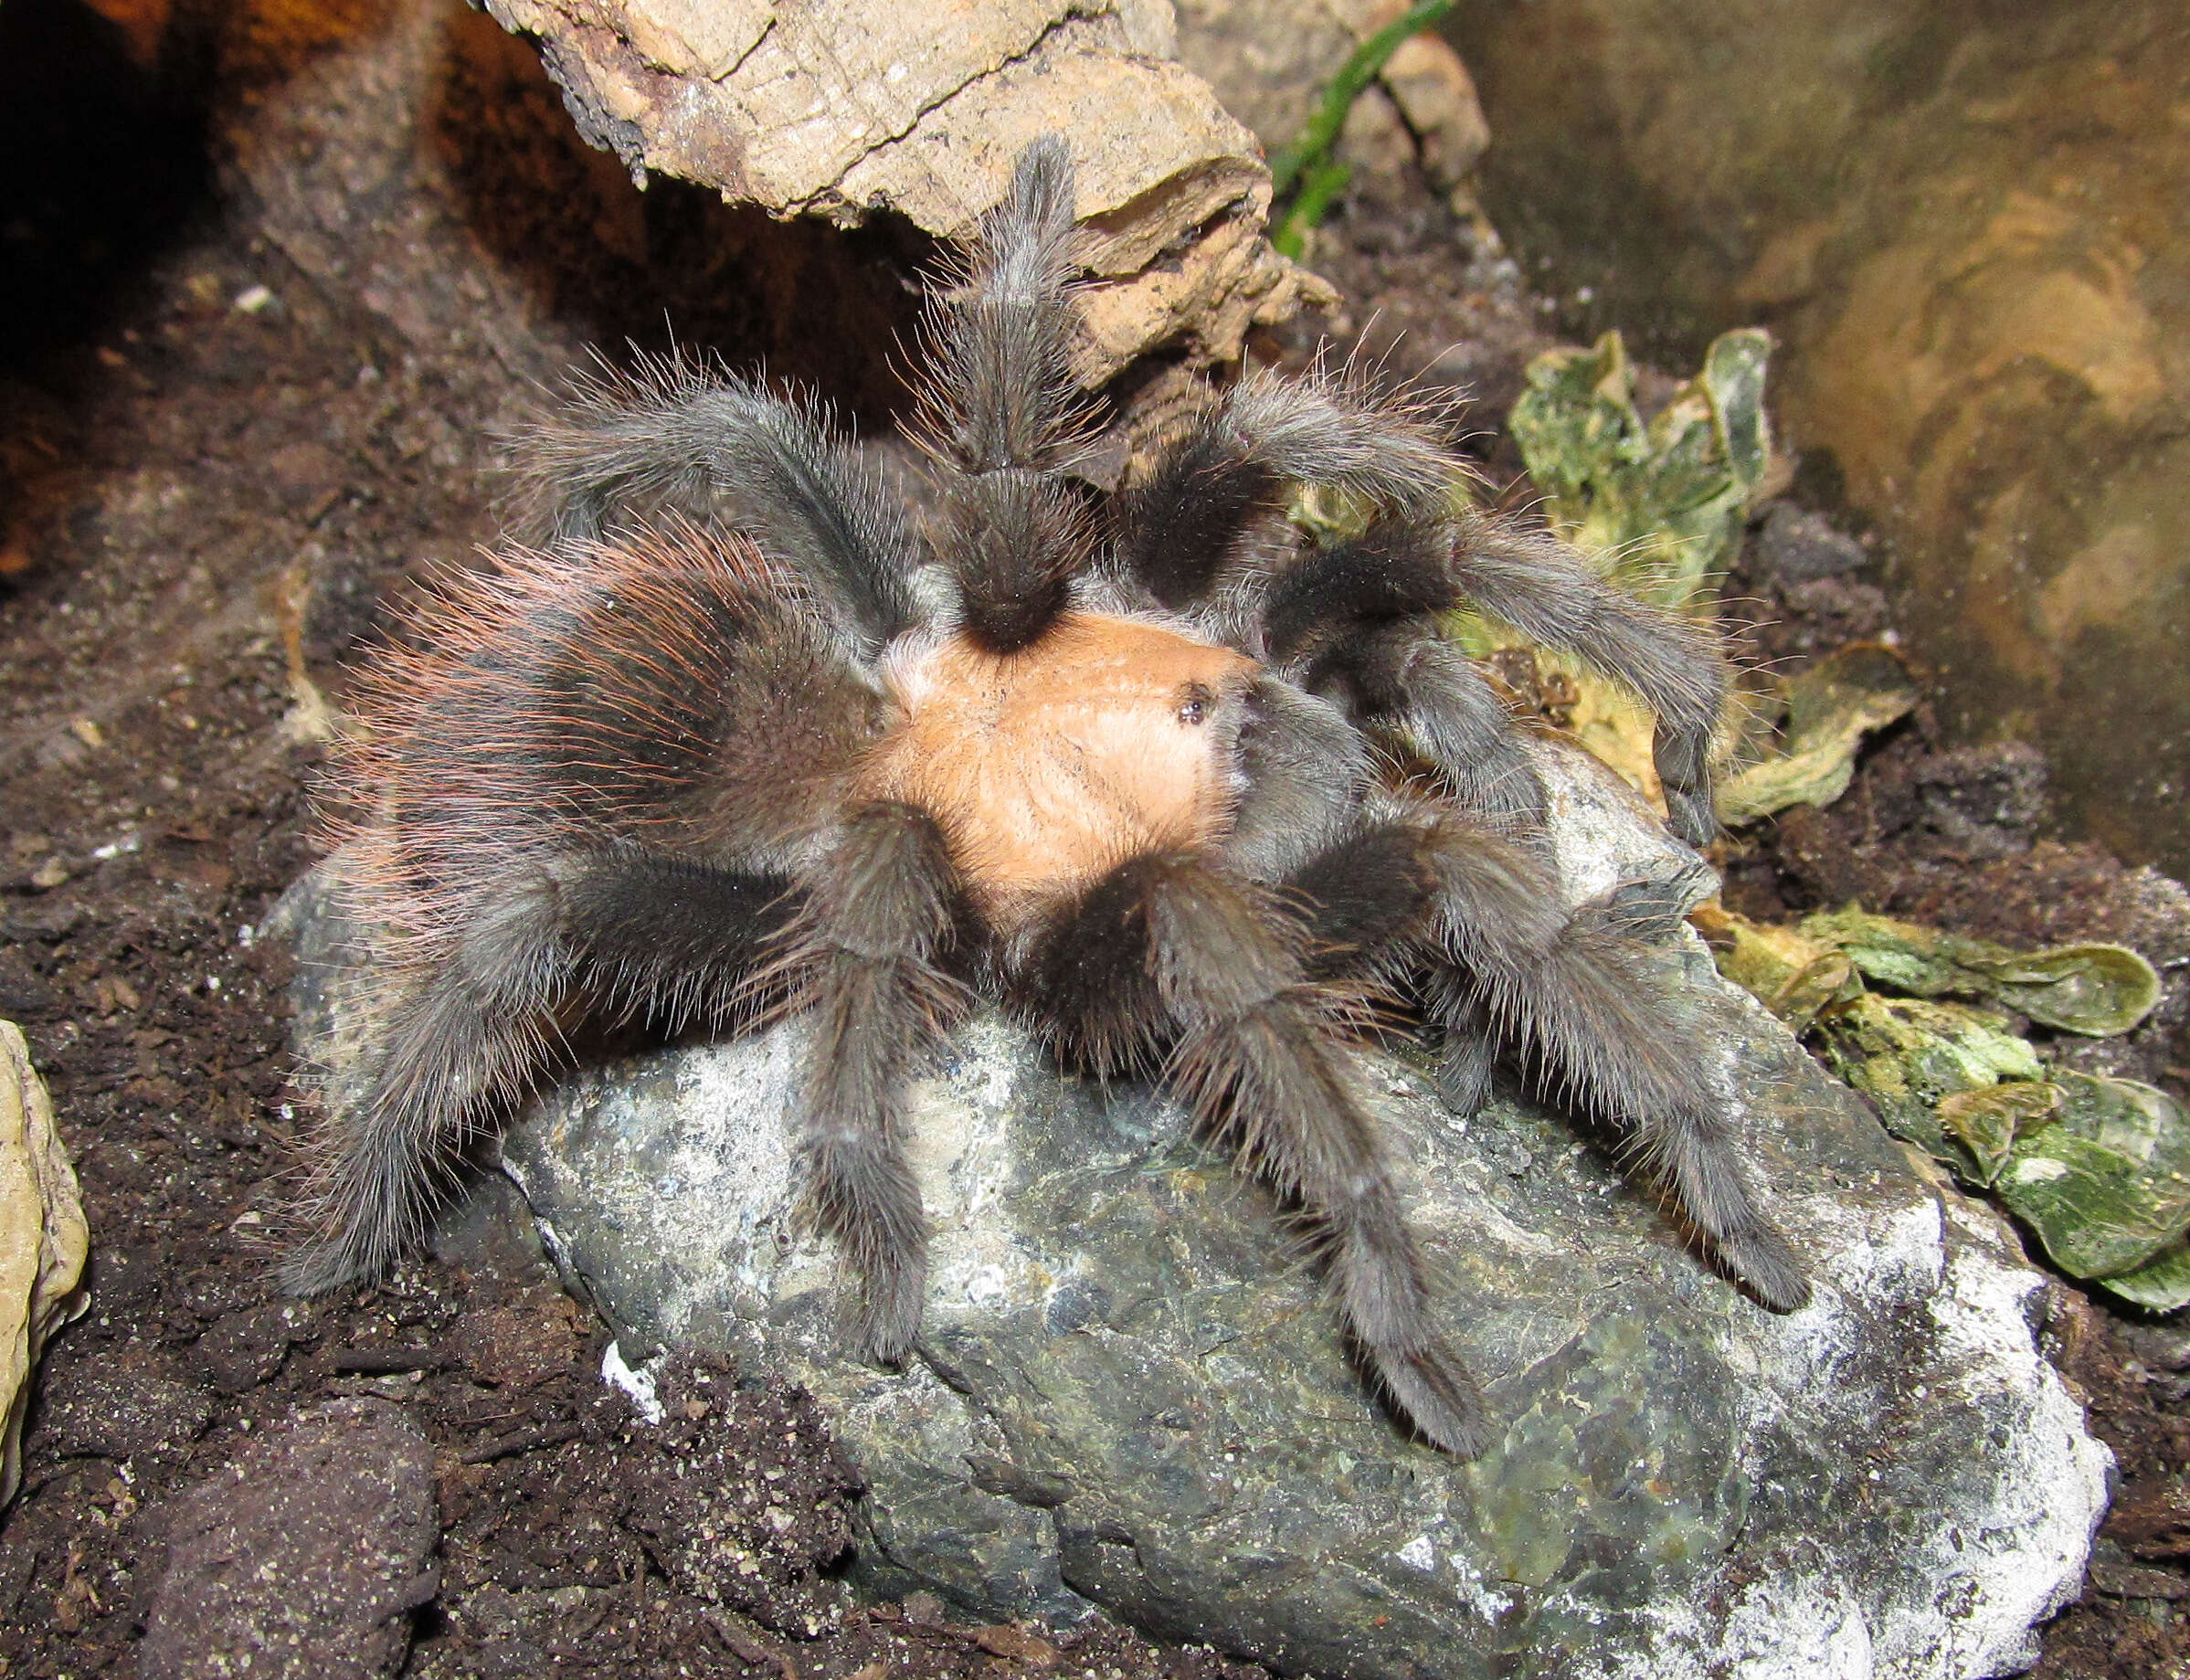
222 452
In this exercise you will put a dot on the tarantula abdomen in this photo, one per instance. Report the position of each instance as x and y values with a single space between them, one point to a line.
745 734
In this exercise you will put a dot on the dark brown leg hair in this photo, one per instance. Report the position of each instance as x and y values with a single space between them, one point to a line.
1004 411
1180 533
1467 1048
1362 901
1368 903
1177 531
1167 948
1401 676
1414 682
860 958
680 437
663 937
1601 1016
670 940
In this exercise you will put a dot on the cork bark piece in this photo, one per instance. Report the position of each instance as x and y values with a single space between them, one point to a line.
843 109
43 1240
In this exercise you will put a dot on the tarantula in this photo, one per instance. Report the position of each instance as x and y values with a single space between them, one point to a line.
742 732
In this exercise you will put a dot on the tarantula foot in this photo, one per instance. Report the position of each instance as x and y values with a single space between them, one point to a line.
1650 911
311 1271
1690 814
1430 1389
880 1326
1463 1073
1761 1257
324 1264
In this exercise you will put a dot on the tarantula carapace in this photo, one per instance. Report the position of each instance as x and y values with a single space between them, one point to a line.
742 732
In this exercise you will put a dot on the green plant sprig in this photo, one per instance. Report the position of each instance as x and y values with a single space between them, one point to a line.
1306 161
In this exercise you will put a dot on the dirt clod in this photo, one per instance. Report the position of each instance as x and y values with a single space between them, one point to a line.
1796 545
302 1558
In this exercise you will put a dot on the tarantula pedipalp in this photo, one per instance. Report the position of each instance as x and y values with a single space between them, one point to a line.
739 728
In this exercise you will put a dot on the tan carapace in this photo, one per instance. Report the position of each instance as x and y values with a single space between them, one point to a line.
1048 767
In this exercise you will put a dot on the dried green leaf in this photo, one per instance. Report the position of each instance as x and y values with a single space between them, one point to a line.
2160 1284
2107 1186
1830 708
1906 956
2095 989
2098 1168
2078 1197
1987 1122
1792 976
1664 502
1660 506
1815 985
1733 378
1909 1056
1330 512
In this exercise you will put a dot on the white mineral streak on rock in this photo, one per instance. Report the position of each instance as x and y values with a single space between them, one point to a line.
725 1189
1418 1554
1980 1572
2024 1557
637 1384
1805 1625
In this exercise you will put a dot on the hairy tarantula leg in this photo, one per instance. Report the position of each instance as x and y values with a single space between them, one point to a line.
1353 615
671 938
1363 902
1415 681
675 430
1600 1013
1544 588
1469 1053
1004 411
470 1031
861 959
1004 396
1166 941
1603 1015
1402 677
1179 530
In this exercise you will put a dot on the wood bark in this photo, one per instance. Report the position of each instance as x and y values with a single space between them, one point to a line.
844 108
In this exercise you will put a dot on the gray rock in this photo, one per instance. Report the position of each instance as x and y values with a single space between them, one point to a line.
1797 546
1129 1395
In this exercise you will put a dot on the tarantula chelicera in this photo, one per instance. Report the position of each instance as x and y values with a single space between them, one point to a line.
1180 792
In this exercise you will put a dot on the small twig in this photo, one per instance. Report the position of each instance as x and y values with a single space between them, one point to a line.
386 1361
524 1441
1306 161
1014 1644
